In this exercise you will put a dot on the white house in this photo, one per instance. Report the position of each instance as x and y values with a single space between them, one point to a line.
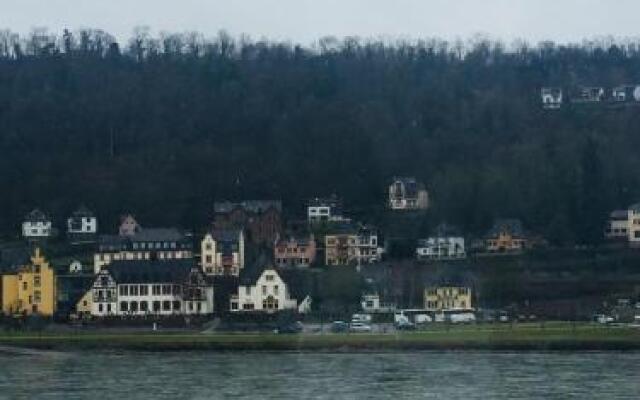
82 225
325 210
36 225
162 288
626 93
624 225
370 303
367 249
441 248
222 252
407 194
551 97
269 291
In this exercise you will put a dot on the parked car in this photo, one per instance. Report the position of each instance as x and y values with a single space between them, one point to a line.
295 327
603 319
339 326
358 327
405 326
366 318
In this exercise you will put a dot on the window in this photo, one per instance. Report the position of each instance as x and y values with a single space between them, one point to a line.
134 290
124 306
269 277
24 285
144 306
176 305
109 308
248 306
134 306
156 306
36 281
234 306
247 290
275 290
144 290
100 307
264 290
166 306
166 289
208 259
37 296
156 290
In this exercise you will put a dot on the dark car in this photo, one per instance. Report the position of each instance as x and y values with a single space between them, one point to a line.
295 327
339 327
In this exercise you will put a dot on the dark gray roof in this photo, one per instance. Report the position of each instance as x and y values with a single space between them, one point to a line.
635 207
332 201
343 229
621 214
157 235
511 226
254 206
298 281
82 211
134 271
300 240
445 230
36 216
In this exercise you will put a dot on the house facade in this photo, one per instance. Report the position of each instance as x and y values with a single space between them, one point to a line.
295 251
31 289
340 246
222 253
551 97
325 210
367 250
269 292
441 298
128 226
36 225
145 244
506 236
624 225
371 303
405 193
82 225
260 220
160 288
441 248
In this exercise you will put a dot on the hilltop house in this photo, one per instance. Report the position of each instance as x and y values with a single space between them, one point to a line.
270 290
624 225
325 210
594 94
506 236
222 252
407 194
260 220
348 244
551 97
162 288
445 244
128 226
370 303
626 93
144 244
31 289
295 251
441 298
82 226
36 225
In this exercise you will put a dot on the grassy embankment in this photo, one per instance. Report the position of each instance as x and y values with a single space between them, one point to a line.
557 336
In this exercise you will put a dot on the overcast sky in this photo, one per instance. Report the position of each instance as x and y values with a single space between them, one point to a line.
307 20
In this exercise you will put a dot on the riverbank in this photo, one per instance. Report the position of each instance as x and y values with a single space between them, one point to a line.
525 337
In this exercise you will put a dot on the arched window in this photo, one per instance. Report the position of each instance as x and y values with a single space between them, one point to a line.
133 306
124 306
270 303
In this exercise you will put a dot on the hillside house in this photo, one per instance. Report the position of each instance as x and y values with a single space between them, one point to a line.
551 98
506 236
222 252
82 226
260 220
37 225
270 290
446 298
325 210
405 193
295 251
162 288
624 225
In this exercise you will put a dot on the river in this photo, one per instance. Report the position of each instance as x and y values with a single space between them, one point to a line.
400 375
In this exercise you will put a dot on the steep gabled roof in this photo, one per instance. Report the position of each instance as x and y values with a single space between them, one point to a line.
511 226
254 206
36 216
134 271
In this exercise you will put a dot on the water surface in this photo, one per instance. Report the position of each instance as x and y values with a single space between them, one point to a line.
402 375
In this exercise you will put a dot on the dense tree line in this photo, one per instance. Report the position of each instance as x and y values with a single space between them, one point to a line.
163 126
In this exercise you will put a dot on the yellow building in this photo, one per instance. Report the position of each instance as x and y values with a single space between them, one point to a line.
506 236
31 290
447 298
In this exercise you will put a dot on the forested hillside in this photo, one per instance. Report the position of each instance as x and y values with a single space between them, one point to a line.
163 126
